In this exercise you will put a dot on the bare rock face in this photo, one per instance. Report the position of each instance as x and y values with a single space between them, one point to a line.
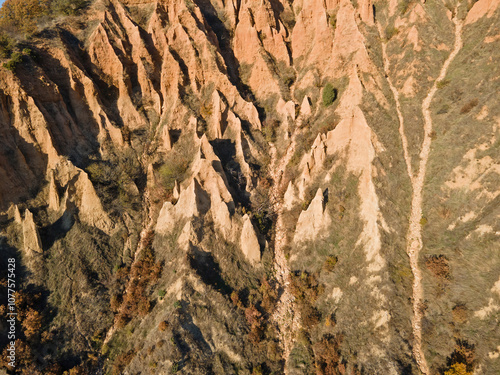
235 133
206 194
187 237
289 198
249 241
312 36
247 45
14 213
90 206
217 123
313 160
31 238
286 109
305 108
366 11
482 8
193 201
313 220
53 194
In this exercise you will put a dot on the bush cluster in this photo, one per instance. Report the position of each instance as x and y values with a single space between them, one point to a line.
461 361
111 179
327 356
306 289
468 106
256 311
144 273
15 60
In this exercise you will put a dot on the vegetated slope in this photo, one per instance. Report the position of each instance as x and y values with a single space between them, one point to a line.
207 187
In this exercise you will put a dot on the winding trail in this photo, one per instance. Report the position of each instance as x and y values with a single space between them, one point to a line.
286 316
414 236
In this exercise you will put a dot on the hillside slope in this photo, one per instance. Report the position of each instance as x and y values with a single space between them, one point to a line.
239 187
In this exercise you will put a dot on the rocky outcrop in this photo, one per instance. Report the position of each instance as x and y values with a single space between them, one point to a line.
207 193
312 35
31 238
248 49
480 9
290 199
313 221
193 201
53 194
249 242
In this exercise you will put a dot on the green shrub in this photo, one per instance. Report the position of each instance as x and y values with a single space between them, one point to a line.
176 163
390 31
269 127
329 94
189 4
442 83
15 60
22 15
6 46
444 109
175 368
29 52
330 263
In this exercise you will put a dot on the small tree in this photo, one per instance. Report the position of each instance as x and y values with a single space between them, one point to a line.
329 94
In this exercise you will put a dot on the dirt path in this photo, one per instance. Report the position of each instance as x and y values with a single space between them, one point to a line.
395 93
414 237
286 315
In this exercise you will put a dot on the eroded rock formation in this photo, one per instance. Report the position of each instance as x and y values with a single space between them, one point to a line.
237 187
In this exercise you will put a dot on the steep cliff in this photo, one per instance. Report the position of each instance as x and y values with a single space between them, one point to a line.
241 187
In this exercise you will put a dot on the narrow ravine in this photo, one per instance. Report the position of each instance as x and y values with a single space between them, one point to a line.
147 227
286 316
414 236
